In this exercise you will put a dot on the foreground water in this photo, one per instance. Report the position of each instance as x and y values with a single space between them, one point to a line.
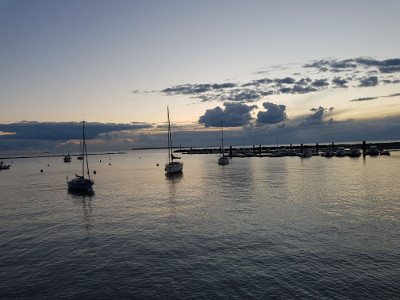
273 228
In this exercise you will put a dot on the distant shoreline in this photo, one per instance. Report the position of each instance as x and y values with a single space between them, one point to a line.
58 155
380 145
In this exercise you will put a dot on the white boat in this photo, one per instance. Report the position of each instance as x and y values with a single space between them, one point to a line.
81 183
67 158
223 160
3 166
172 166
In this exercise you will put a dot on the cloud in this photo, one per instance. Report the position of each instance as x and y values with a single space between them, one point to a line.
368 81
374 98
193 89
383 66
317 117
234 115
320 83
340 82
274 114
63 131
255 90
364 99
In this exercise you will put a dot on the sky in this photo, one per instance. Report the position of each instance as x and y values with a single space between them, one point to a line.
270 71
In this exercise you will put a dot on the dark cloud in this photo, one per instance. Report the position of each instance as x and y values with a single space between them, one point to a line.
245 95
364 99
287 80
297 89
368 81
62 131
340 82
274 114
384 66
317 117
193 89
374 98
389 81
320 83
304 81
234 115
256 90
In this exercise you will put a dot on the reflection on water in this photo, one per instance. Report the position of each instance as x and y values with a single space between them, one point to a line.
256 228
84 200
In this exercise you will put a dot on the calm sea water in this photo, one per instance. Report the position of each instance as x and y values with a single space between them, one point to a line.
270 228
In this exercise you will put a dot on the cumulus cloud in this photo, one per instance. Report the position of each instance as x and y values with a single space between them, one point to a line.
274 114
255 90
234 115
340 82
383 66
368 81
317 117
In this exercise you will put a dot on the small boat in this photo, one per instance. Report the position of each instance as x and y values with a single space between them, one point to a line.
306 153
172 166
79 157
67 158
328 152
223 160
354 152
340 152
80 183
384 152
373 151
3 166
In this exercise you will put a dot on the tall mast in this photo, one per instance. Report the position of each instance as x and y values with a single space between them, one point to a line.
84 154
222 132
169 138
83 148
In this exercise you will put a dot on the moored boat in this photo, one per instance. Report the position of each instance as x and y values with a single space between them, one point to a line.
354 152
340 152
4 166
223 160
67 158
80 183
172 166
328 152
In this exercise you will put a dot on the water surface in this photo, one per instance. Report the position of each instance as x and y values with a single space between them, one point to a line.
316 228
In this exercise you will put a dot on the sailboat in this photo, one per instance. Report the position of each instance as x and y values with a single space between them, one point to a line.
67 158
223 160
81 183
172 166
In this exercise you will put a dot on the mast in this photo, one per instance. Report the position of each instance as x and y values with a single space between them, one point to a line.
222 133
84 154
83 148
169 138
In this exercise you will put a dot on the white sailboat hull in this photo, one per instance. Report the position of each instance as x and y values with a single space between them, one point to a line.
223 160
173 167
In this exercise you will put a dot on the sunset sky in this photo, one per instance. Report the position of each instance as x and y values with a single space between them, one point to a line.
287 71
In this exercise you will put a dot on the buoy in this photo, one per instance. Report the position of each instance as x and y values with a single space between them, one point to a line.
41 170
157 164
94 172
